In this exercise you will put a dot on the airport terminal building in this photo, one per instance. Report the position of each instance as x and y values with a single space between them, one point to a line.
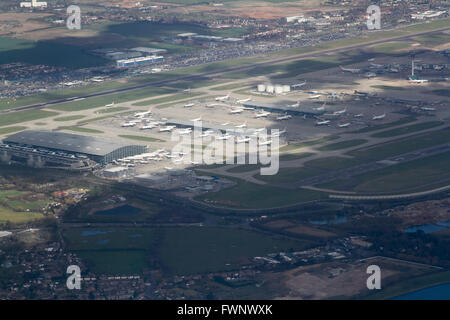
65 149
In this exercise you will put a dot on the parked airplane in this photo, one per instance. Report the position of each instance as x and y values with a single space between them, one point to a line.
184 131
359 115
224 98
317 96
336 113
225 124
382 116
189 105
262 114
224 137
284 117
235 111
128 124
279 133
419 81
244 125
243 140
350 70
244 100
375 65
264 142
344 125
322 123
371 75
146 126
143 114
166 128
197 119
321 108
428 109
295 105
110 105
298 85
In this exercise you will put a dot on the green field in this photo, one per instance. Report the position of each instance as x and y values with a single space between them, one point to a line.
401 177
141 138
201 250
401 146
342 145
7 130
390 47
299 145
50 53
179 250
408 129
8 215
385 126
247 195
23 116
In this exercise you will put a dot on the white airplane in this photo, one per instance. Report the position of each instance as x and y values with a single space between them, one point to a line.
284 117
371 75
128 124
382 116
350 70
262 114
224 98
264 142
321 108
197 119
224 137
110 105
428 109
188 90
375 65
419 81
316 96
166 128
189 105
205 134
225 124
344 125
143 114
235 111
336 113
322 123
179 159
244 100
279 133
244 125
146 126
298 85
243 140
247 108
184 131
295 105
359 115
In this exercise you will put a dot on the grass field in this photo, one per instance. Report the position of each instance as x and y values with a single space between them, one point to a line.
385 126
180 96
23 116
408 129
247 195
295 146
7 130
200 250
8 215
140 138
342 145
398 178
180 250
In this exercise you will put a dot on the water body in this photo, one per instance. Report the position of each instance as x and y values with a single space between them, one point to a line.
125 210
430 228
337 220
438 292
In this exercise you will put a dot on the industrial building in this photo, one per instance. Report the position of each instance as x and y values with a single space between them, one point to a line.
138 61
51 148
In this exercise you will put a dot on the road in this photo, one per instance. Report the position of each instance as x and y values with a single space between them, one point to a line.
269 62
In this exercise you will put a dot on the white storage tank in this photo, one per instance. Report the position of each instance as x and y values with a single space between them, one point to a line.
261 87
270 88
286 88
278 89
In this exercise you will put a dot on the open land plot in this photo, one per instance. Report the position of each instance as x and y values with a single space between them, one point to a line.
404 176
24 116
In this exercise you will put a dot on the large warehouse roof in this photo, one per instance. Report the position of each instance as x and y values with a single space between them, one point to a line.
65 141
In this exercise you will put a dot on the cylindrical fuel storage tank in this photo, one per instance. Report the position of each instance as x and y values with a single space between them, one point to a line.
270 88
286 88
278 89
261 87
